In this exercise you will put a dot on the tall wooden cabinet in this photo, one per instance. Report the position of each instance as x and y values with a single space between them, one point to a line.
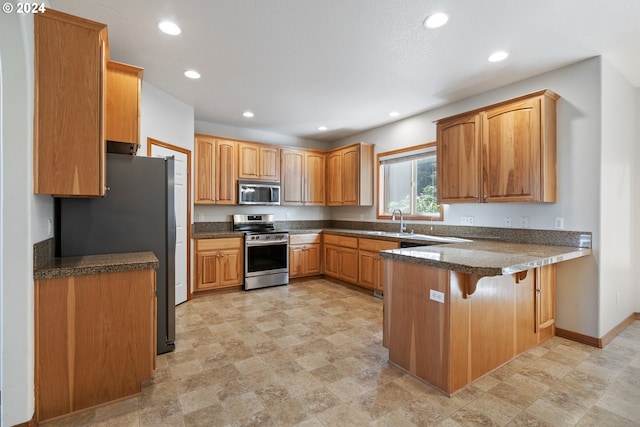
350 176
123 103
71 55
215 179
258 161
303 177
502 153
219 263
95 339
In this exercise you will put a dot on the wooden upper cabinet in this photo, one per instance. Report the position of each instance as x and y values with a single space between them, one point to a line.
502 153
70 54
258 161
123 103
303 175
215 179
350 176
458 154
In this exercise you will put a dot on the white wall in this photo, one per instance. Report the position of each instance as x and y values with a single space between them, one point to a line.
164 118
578 175
635 213
617 281
22 218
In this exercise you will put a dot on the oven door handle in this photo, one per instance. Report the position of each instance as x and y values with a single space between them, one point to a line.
266 243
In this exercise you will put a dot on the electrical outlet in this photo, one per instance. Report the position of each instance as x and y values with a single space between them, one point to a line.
507 221
436 296
559 223
466 220
524 222
49 227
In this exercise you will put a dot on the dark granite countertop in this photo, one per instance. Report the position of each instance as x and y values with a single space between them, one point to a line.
94 264
486 258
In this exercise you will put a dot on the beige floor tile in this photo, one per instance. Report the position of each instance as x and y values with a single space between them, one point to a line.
310 354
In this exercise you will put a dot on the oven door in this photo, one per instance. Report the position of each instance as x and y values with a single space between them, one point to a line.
266 258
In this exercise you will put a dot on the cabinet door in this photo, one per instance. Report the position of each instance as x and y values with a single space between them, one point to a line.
546 302
248 161
293 184
349 264
205 170
351 176
334 178
331 260
458 148
207 264
270 163
313 260
511 152
69 140
226 172
123 103
314 178
296 261
230 267
368 266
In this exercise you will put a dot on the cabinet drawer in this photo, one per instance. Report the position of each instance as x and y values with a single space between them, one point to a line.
216 244
377 245
344 241
297 239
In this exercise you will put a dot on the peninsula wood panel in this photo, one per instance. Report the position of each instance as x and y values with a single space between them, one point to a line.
95 339
453 343
418 327
123 102
69 130
546 302
459 160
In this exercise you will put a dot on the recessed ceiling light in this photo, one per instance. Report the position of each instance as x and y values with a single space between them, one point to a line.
498 56
322 128
436 20
192 74
169 28
248 114
394 114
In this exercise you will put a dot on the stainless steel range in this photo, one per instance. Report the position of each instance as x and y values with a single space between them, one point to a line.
266 251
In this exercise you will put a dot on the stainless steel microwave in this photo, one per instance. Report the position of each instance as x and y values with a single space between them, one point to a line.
258 193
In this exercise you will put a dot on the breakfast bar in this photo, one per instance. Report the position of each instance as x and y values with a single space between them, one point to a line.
453 313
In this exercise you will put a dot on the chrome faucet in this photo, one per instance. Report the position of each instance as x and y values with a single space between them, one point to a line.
393 218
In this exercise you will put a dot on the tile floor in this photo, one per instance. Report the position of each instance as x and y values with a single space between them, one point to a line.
310 354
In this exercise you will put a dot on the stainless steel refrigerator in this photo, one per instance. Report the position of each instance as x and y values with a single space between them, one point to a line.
137 214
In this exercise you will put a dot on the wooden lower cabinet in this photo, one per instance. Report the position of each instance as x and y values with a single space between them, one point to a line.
95 339
370 265
482 323
341 257
305 255
219 263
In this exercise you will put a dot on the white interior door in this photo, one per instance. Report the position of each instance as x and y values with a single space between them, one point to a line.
182 222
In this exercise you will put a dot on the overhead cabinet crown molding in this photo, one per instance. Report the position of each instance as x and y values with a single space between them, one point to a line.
505 152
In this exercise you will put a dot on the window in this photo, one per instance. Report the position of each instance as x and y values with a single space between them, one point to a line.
407 181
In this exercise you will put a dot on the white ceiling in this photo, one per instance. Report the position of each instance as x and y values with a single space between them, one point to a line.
345 64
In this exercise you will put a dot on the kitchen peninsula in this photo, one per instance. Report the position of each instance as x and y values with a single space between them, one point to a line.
453 313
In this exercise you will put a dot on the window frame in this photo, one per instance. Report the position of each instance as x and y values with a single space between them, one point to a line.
407 151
